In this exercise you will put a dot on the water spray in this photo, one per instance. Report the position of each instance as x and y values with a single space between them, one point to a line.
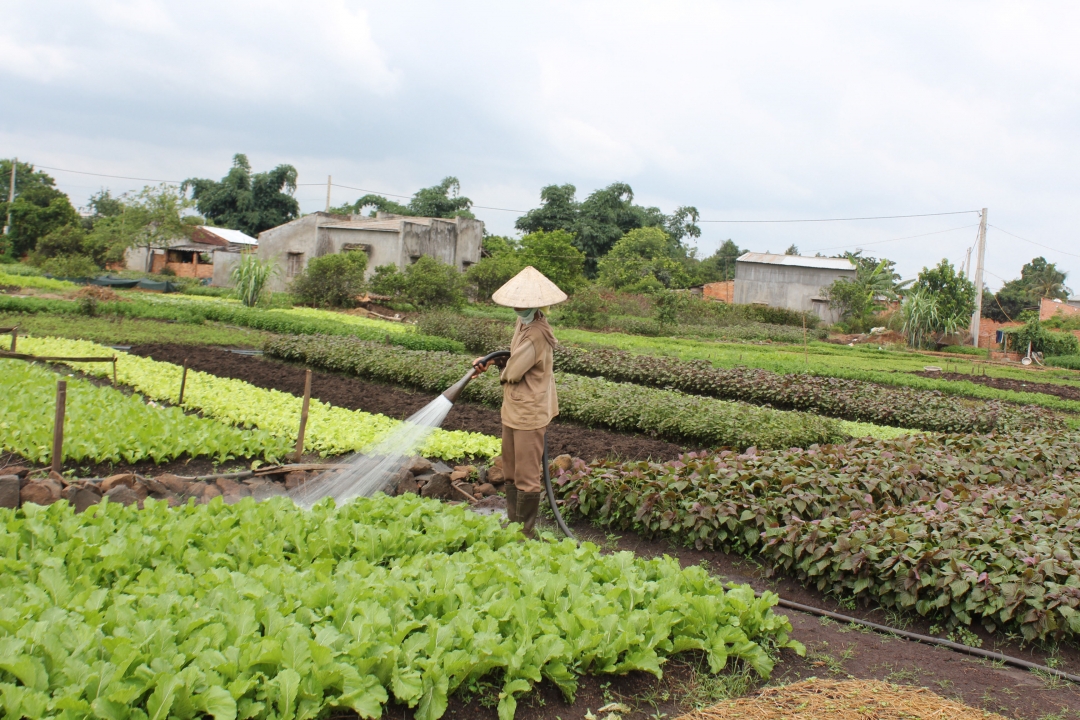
364 474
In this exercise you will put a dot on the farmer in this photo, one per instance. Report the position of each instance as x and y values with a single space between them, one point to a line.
529 399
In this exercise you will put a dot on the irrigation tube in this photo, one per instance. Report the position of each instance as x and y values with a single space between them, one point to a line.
930 640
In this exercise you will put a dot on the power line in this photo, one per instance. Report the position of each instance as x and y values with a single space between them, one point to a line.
1035 243
874 217
118 177
907 237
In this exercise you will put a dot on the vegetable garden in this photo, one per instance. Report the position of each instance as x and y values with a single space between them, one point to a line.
870 486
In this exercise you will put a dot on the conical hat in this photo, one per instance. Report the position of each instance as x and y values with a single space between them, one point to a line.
528 289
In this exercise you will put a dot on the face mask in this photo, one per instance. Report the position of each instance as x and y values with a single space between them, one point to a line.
526 315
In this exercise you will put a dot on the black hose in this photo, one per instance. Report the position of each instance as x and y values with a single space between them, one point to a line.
929 640
551 497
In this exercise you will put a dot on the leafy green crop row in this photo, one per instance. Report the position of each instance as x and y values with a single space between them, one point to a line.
330 430
593 401
104 425
200 311
834 397
262 610
962 529
36 282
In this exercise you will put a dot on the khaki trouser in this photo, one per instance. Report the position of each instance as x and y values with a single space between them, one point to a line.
523 458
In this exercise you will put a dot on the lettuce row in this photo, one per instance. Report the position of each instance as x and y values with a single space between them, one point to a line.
330 431
103 424
263 610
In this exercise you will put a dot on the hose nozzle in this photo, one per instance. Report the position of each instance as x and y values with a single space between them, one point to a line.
499 357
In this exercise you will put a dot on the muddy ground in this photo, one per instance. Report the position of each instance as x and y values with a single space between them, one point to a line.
1068 392
356 394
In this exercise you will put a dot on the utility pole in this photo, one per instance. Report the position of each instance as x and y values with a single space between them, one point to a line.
979 257
327 193
11 196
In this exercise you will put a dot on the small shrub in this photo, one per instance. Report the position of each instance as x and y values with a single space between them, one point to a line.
1071 362
251 276
585 309
1042 340
432 283
388 281
332 280
70 266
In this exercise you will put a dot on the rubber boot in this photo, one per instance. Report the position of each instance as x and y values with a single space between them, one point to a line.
528 506
511 502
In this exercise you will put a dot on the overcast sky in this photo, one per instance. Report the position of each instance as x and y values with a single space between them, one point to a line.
746 110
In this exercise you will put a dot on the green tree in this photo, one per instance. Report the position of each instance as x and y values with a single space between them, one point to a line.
793 249
720 266
387 281
38 209
952 294
492 272
553 253
641 261
603 218
332 280
1038 279
244 201
859 298
440 201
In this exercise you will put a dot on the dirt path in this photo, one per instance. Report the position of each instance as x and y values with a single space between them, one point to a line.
356 394
1067 392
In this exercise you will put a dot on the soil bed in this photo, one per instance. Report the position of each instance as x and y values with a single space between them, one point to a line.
1067 392
356 394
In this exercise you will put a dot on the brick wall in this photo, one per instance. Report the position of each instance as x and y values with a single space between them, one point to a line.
722 291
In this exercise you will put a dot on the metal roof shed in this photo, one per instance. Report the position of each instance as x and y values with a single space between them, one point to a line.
789 281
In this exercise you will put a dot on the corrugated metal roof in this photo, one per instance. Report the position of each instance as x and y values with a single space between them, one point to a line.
232 236
797 261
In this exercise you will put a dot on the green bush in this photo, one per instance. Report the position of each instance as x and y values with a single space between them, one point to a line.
1071 362
332 280
668 414
432 283
1042 340
963 350
70 266
586 308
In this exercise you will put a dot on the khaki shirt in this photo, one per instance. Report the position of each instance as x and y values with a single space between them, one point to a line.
529 398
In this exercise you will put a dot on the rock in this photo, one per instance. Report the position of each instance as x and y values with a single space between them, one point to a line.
209 493
124 495
419 465
468 487
492 502
495 474
421 480
562 462
459 475
391 485
441 467
41 492
408 485
9 491
154 486
57 477
174 483
233 498
19 470
497 461
467 469
265 489
113 480
295 479
484 490
438 486
84 499
231 487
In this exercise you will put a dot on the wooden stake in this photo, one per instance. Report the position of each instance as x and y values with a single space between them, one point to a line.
303 416
114 371
183 382
58 427
14 334
806 348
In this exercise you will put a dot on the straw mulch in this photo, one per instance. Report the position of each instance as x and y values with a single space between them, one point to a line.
847 700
